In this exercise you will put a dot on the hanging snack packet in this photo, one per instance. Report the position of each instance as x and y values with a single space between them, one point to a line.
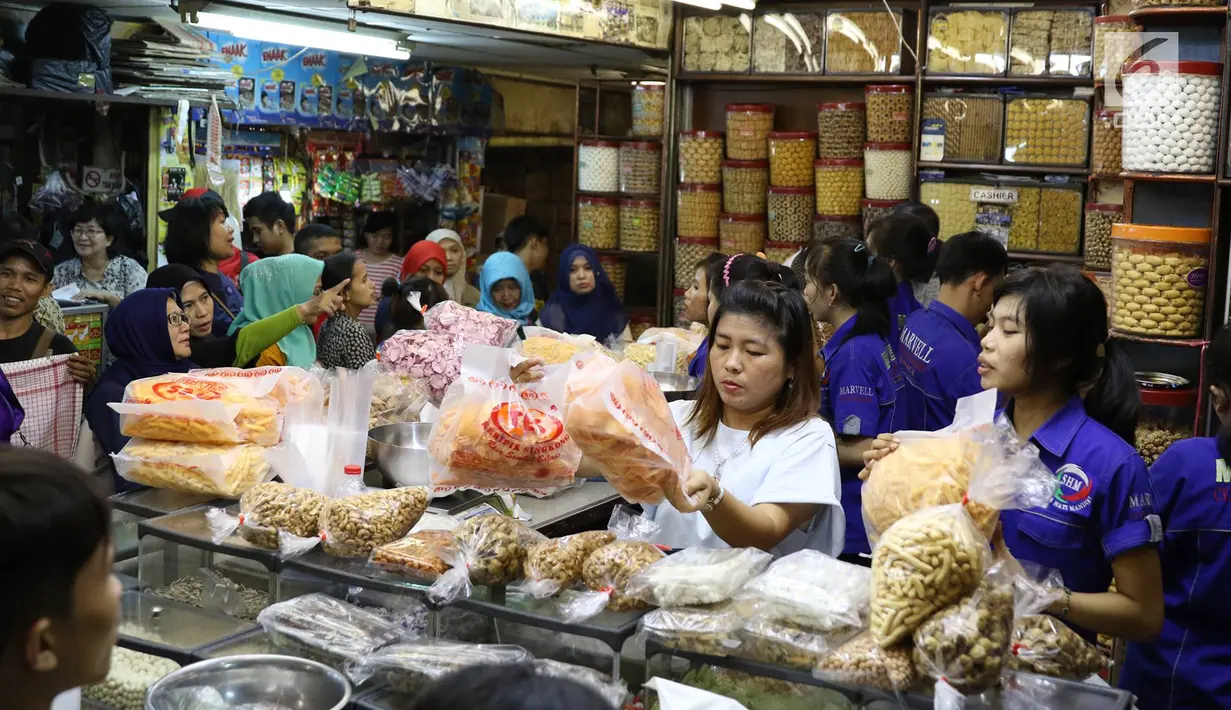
1045 645
620 420
491 550
355 525
472 326
189 408
495 435
226 471
606 573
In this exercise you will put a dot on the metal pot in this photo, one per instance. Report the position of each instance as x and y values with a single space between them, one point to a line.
400 451
259 681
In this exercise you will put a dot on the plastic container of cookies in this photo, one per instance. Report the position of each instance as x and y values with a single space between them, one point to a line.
598 221
839 186
971 127
701 157
688 253
1113 40
826 226
1051 42
970 40
790 214
741 233
1168 408
639 225
748 129
891 112
790 158
716 43
841 128
863 42
873 210
1046 130
697 208
649 102
1160 276
788 42
640 167
744 184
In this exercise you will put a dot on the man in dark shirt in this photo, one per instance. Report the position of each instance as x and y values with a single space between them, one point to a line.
25 277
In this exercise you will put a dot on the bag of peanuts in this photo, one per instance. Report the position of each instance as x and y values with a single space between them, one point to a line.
864 662
697 575
275 516
606 573
556 564
811 590
1043 644
620 420
422 555
355 525
784 644
966 644
491 550
197 409
976 460
923 563
223 470
474 327
495 435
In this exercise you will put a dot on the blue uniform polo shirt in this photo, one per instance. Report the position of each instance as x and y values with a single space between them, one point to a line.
859 395
225 293
1101 508
700 359
1189 665
902 304
938 351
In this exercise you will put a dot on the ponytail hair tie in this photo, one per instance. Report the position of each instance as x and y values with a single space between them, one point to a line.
726 270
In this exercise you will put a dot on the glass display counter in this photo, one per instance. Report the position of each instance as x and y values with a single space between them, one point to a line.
168 629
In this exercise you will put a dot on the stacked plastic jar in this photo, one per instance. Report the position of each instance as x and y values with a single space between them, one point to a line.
790 159
891 111
748 129
875 209
648 108
689 251
841 127
598 166
1159 277
617 271
697 208
888 171
790 214
779 252
701 157
639 225
1113 36
1099 219
839 186
739 233
1108 138
1171 116
598 221
744 183
640 164
825 226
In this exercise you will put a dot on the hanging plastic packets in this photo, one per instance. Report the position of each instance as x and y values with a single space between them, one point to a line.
472 326
213 146
499 436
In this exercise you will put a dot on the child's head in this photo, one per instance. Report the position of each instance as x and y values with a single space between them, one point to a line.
921 212
697 297
59 601
843 274
725 273
907 244
318 241
506 293
400 313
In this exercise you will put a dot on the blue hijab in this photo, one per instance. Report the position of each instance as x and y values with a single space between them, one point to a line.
139 340
506 265
598 313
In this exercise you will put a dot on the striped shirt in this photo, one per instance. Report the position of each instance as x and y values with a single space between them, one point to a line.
390 268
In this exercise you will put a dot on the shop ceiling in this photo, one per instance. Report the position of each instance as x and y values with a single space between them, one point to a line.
433 40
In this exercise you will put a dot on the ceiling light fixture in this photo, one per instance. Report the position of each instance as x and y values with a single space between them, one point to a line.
304 36
703 4
741 4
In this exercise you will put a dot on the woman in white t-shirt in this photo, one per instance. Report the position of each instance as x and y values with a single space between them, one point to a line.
765 465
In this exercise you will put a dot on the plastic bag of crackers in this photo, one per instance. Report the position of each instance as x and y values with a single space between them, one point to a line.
976 461
620 420
497 435
227 471
212 408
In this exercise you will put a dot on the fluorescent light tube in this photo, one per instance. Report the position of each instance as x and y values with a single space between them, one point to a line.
703 4
741 4
285 33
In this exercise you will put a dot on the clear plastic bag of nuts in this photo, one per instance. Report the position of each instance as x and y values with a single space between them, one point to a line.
556 564
606 573
275 516
863 662
355 525
491 550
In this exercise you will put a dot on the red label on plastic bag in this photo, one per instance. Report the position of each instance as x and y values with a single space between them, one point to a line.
189 388
522 433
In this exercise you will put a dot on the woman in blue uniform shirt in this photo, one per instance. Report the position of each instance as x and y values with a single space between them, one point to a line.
1189 665
847 287
908 246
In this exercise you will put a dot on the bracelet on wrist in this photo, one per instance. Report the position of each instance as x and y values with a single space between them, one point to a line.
714 499
1068 602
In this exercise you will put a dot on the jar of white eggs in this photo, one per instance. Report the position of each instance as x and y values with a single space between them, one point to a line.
1171 116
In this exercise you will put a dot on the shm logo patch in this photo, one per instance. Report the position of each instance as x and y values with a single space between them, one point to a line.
1073 489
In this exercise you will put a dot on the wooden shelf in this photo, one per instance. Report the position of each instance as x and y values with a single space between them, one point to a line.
21 92
1179 15
639 139
1170 177
1077 259
1007 168
832 79
1177 342
624 252
960 80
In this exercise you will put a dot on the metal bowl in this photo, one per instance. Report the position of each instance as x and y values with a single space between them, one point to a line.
400 451
673 382
259 681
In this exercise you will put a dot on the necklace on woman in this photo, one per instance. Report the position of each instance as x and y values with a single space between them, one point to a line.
720 461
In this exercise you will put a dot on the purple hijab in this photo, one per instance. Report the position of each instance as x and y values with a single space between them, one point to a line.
598 313
11 413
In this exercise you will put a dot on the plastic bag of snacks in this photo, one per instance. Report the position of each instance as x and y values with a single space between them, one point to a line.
556 564
550 350
923 563
224 470
1045 645
491 550
966 644
407 667
395 398
975 460
355 525
697 575
472 326
495 435
684 342
709 630
203 410
606 573
862 662
273 516
327 630
783 644
620 420
810 590
293 385
433 356
423 555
